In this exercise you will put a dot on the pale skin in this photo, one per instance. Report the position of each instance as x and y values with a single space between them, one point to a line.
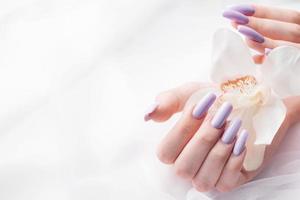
193 146
197 153
278 26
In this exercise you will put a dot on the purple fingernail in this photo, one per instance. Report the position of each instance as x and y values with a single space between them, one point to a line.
150 110
231 131
221 115
203 105
240 143
251 34
236 16
245 9
267 51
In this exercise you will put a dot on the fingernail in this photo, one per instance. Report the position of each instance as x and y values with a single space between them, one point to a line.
236 16
150 110
245 9
203 105
231 131
251 34
240 143
221 115
267 51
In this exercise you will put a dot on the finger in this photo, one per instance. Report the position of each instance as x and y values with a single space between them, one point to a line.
169 102
259 59
214 163
194 153
231 176
258 42
190 121
268 12
275 13
276 30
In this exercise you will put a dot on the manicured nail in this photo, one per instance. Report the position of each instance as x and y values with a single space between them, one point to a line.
221 115
204 104
236 16
267 51
251 34
150 110
245 9
231 131
240 143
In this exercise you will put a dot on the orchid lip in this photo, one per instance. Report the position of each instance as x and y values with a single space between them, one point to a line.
242 84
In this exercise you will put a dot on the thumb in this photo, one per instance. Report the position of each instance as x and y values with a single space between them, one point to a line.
172 101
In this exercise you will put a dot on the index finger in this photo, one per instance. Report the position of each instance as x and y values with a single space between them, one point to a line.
275 13
268 12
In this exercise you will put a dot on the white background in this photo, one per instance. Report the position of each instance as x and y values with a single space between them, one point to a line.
75 78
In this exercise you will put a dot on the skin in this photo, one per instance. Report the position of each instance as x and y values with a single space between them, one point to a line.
280 27
194 146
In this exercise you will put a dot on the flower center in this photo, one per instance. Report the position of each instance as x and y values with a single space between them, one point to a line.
243 84
244 92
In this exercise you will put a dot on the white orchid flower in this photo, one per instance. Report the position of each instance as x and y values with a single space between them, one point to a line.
255 92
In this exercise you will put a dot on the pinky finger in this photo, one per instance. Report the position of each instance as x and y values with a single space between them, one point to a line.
231 174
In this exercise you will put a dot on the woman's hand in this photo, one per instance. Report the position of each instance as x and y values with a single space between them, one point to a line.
265 27
204 147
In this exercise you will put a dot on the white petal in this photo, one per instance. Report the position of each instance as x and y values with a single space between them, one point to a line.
281 70
231 57
268 120
254 157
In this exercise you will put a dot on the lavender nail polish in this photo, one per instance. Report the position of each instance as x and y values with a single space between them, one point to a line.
150 110
251 34
231 131
240 143
221 115
236 16
245 9
204 104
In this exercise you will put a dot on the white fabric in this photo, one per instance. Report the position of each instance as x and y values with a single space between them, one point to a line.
75 77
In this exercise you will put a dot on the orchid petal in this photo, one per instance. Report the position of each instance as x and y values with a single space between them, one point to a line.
268 120
281 70
231 57
254 157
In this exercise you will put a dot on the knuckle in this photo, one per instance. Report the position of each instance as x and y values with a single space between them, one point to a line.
207 139
187 129
232 168
222 187
183 171
202 185
217 154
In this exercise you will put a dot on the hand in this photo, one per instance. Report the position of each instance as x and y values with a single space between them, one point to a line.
265 27
198 147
